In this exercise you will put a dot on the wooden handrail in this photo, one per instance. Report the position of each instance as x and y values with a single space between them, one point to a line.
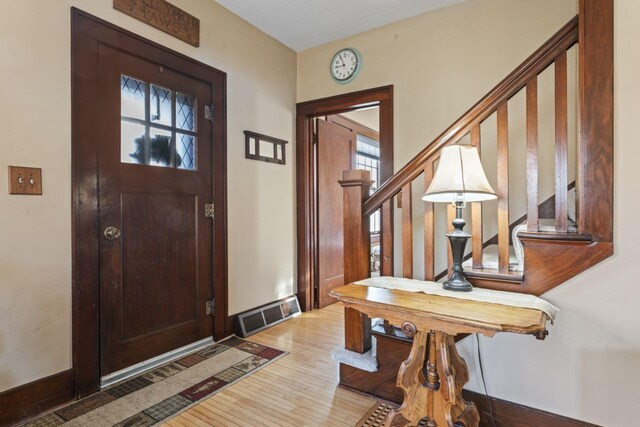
559 43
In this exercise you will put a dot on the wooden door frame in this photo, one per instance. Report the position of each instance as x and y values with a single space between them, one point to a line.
87 33
306 194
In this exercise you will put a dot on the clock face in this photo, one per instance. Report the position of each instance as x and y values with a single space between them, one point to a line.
345 65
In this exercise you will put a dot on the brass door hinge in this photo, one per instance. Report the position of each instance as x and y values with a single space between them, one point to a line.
208 112
209 211
210 308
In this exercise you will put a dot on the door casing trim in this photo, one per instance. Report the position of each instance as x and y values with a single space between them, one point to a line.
306 194
87 32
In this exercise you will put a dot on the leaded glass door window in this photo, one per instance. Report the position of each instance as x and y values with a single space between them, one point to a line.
158 125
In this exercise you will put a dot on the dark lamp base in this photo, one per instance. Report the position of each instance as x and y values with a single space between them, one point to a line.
457 284
458 240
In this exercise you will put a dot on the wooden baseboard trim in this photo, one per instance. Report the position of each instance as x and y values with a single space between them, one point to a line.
382 385
512 414
35 397
230 326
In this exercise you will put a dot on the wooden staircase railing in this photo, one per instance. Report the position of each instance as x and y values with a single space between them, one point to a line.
551 257
554 51
562 41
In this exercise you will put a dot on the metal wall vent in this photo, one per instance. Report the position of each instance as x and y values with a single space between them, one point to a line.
261 318
272 314
254 322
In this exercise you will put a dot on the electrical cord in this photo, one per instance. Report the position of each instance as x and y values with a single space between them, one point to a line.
493 420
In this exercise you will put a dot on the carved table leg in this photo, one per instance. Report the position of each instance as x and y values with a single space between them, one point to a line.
454 375
431 380
415 394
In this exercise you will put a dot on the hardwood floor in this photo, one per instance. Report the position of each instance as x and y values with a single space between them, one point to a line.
297 390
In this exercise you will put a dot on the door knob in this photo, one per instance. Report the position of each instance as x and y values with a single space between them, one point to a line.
111 233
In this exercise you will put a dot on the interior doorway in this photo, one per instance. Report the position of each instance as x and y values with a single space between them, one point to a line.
149 167
352 131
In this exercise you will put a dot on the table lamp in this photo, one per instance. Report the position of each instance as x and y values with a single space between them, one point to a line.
459 179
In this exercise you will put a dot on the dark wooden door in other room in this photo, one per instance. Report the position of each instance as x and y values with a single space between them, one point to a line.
335 149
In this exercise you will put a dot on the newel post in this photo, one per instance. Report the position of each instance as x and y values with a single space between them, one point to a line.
594 182
355 186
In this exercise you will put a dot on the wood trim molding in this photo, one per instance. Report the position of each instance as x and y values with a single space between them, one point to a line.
305 172
87 32
595 120
507 413
35 397
347 102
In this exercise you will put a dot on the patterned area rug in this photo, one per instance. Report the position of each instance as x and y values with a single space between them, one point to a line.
378 414
164 392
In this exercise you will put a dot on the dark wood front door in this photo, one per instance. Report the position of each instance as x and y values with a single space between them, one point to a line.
155 177
335 155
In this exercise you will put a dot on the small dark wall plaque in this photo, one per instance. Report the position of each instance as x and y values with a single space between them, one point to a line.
264 148
164 16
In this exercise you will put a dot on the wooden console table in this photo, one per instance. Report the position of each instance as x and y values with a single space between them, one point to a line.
433 376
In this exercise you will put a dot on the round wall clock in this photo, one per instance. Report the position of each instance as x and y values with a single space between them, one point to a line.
345 65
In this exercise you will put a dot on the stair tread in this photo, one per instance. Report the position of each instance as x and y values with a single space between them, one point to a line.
490 259
554 235
494 274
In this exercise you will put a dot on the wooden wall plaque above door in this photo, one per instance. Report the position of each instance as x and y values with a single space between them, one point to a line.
164 16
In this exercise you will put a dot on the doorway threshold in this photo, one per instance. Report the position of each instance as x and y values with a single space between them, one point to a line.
154 362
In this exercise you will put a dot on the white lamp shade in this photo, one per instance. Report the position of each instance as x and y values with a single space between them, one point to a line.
459 173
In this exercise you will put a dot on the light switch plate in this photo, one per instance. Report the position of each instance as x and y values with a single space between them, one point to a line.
24 180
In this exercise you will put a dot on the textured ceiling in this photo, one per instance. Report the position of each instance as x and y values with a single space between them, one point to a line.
302 24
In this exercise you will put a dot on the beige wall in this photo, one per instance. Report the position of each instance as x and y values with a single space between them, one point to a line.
440 63
35 256
464 44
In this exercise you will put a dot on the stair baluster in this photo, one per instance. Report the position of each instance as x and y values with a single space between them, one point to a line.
561 142
503 188
451 214
477 241
386 252
407 233
532 155
429 235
